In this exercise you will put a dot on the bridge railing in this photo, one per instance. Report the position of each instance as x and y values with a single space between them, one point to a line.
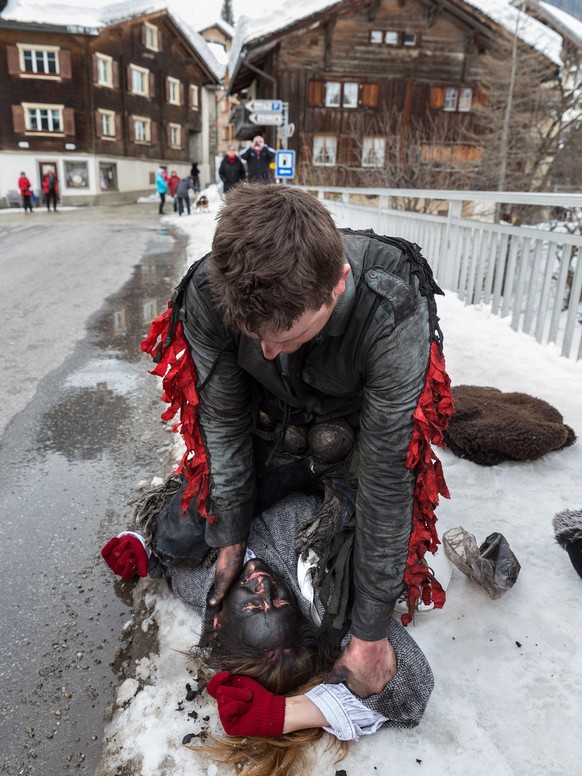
531 273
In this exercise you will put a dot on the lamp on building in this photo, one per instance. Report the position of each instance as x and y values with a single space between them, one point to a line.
24 144
70 146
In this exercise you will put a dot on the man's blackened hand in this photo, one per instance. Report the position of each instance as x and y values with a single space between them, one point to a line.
228 566
365 667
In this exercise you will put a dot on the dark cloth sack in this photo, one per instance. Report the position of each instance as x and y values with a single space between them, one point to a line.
492 565
568 531
489 426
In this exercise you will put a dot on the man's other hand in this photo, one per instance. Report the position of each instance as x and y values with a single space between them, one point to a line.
228 566
365 667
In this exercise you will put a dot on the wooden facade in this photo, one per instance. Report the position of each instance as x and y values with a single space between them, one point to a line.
130 91
365 78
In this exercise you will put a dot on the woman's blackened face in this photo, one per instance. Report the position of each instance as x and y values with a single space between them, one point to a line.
260 608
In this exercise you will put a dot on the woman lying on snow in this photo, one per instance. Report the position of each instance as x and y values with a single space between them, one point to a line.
269 646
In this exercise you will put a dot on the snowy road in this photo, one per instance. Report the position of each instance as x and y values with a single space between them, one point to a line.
77 419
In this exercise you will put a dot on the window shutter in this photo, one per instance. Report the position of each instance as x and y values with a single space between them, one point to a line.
13 60
98 125
152 85
154 132
168 135
160 40
181 93
65 63
18 119
131 123
95 70
166 89
143 35
129 89
316 93
69 121
118 126
115 74
370 94
481 97
437 97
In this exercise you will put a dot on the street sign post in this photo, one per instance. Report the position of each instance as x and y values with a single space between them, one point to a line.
266 119
264 106
285 164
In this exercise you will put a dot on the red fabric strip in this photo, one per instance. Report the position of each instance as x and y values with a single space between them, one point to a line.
431 417
179 379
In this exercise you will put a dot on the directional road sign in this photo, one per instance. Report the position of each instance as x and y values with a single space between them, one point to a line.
285 164
266 119
264 106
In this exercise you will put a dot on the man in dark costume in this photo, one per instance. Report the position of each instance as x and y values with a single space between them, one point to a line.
301 356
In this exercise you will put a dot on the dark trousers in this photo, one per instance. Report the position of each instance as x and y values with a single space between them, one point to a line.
27 203
48 197
181 202
162 203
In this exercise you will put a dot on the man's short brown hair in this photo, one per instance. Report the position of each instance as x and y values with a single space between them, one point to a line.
276 253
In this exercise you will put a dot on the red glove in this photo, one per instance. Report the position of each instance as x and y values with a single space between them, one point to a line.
245 707
125 555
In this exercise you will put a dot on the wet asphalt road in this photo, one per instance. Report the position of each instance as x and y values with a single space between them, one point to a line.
78 429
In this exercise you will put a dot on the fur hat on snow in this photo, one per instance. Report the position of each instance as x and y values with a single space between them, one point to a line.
489 426
568 530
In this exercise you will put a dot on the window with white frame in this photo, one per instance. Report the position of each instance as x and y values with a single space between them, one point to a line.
373 152
376 36
332 94
107 121
142 129
139 80
43 118
350 95
409 39
173 90
451 96
324 149
104 70
391 38
43 60
465 99
194 96
175 137
152 37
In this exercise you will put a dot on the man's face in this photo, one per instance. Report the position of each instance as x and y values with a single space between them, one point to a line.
258 142
260 607
304 329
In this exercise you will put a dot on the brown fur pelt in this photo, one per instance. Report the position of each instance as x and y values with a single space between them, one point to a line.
489 426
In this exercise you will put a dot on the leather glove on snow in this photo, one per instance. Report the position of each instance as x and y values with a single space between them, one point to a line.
245 707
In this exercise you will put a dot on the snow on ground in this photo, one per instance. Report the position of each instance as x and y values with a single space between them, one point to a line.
507 672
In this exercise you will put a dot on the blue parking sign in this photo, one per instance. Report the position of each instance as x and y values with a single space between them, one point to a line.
285 164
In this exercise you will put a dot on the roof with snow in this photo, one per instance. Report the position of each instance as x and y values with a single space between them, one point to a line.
223 26
250 31
92 16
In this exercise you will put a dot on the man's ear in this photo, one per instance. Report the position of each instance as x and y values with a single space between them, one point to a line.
340 286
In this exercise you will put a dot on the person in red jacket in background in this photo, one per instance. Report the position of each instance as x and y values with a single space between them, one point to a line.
25 191
50 187
173 182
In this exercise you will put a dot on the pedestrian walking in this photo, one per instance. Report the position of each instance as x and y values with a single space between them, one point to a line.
162 187
183 194
50 187
25 192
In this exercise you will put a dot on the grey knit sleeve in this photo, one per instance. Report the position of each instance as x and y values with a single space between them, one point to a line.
406 695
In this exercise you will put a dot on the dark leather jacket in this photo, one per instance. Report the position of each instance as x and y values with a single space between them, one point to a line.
369 363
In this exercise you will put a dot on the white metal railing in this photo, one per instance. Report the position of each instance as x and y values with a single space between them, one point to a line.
530 273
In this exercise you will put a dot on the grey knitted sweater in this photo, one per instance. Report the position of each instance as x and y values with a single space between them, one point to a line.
272 538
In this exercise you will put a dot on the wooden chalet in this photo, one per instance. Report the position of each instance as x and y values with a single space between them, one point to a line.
104 104
366 78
